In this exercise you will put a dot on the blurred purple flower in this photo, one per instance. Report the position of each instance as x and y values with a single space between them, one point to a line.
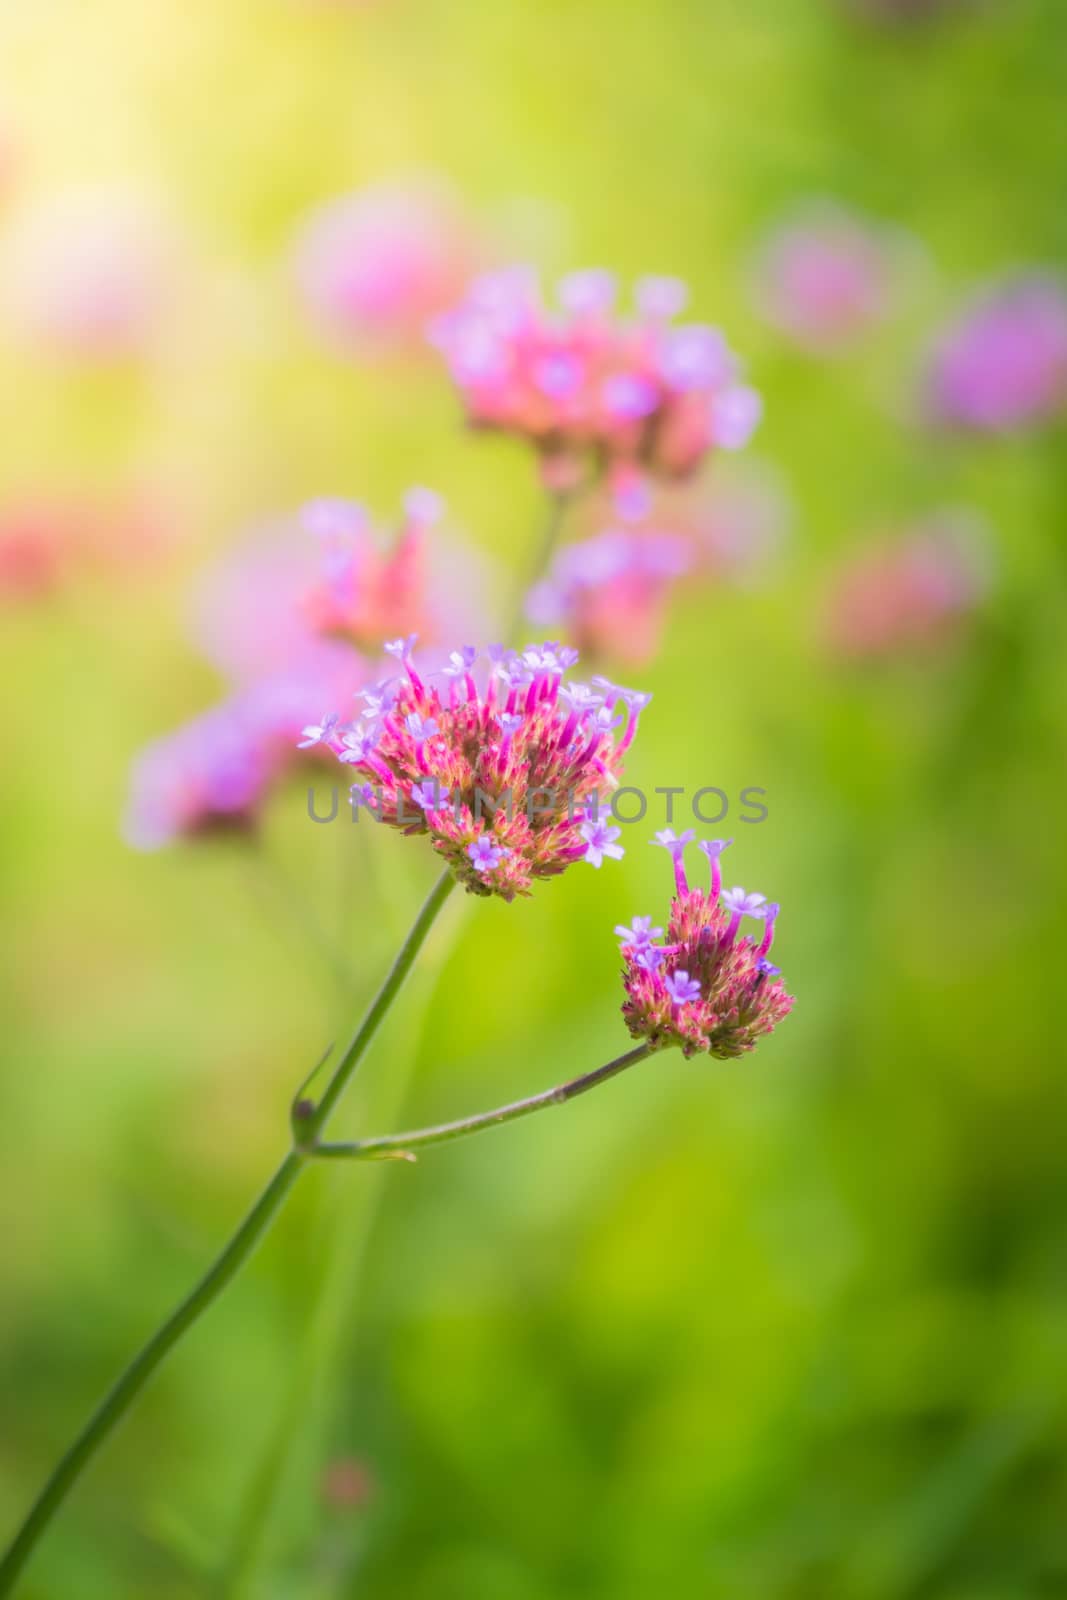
827 276
1001 366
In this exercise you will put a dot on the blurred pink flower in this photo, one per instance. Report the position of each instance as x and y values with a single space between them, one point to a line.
32 556
737 517
340 577
827 276
86 274
1002 364
373 266
214 773
610 592
47 541
122 537
638 397
911 592
348 1483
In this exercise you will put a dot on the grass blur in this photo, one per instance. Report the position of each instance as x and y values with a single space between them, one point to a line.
785 1330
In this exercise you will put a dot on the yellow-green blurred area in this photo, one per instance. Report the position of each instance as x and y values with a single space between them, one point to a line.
788 1328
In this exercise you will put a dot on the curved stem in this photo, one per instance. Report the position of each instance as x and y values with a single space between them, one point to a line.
225 1267
117 1403
238 1571
401 1146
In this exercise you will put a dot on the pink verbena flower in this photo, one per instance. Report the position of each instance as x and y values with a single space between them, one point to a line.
913 592
506 780
707 988
87 274
611 591
733 518
33 556
340 577
209 776
367 589
375 265
214 774
1002 365
827 276
47 541
739 521
635 396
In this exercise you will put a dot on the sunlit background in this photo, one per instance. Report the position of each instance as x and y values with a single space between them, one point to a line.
789 1328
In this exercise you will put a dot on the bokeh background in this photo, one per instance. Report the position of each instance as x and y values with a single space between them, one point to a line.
788 1328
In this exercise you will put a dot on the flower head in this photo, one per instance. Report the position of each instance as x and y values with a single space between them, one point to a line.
1002 365
707 988
88 274
210 776
828 277
372 266
640 393
518 768
911 593
339 575
612 591
215 773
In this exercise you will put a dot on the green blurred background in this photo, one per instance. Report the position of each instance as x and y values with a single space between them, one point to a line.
793 1328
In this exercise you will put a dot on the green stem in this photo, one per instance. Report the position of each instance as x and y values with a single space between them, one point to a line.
225 1268
401 1146
115 1405
240 1565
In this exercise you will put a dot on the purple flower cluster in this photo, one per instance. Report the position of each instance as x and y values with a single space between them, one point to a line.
212 774
506 775
707 988
1001 366
612 591
639 396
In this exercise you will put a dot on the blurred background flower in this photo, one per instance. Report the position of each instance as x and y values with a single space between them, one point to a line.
376 265
85 273
828 276
788 1327
914 590
1001 365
